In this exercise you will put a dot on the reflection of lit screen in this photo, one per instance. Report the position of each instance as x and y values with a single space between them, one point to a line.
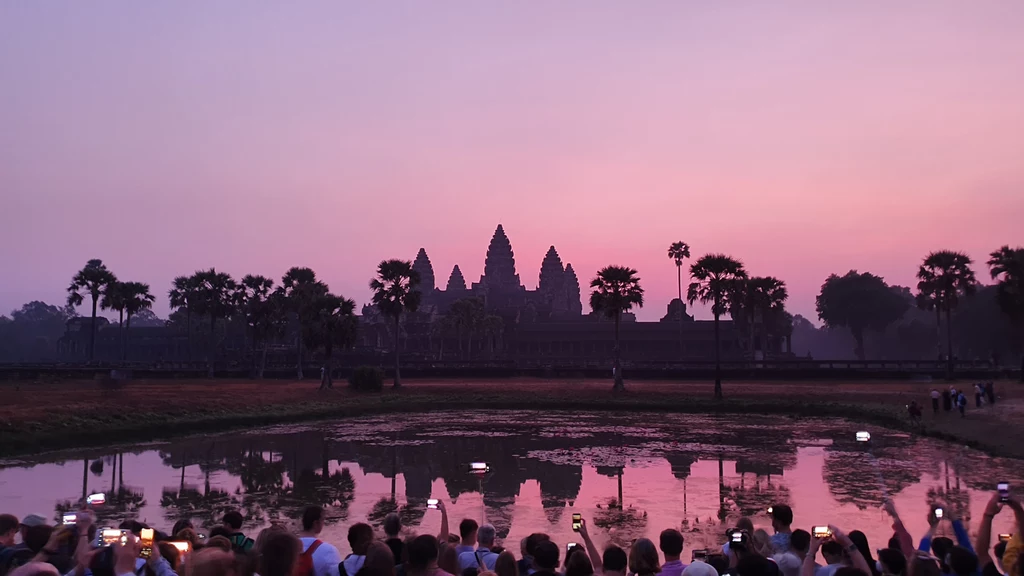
181 546
863 436
114 537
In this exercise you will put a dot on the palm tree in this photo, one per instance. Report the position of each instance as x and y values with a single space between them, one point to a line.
92 280
616 289
769 297
113 299
395 290
299 287
1007 266
925 301
467 317
215 301
262 308
713 274
136 298
678 252
184 294
944 276
330 323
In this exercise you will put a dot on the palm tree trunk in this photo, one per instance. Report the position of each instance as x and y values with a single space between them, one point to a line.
949 343
92 331
721 489
398 341
938 332
211 350
858 337
85 479
617 366
718 359
188 334
263 362
679 282
120 469
325 381
127 334
298 369
120 331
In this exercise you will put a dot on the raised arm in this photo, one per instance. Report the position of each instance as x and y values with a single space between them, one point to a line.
926 540
1016 544
984 540
807 569
899 530
859 562
595 556
442 536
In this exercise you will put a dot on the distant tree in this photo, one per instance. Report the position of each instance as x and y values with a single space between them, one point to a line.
615 290
466 317
148 319
31 332
713 276
396 290
215 300
1007 266
263 311
859 302
136 297
492 327
91 280
944 277
113 299
757 302
678 252
183 296
300 288
330 323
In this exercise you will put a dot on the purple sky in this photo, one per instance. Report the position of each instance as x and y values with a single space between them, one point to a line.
803 138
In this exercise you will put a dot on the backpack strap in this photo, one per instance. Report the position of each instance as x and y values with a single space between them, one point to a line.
312 548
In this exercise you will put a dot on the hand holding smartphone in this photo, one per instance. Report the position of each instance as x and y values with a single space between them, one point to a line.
146 543
577 522
821 532
1004 491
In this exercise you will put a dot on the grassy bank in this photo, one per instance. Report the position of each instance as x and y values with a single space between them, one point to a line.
57 415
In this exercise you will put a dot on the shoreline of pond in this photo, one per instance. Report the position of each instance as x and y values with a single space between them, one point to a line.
125 416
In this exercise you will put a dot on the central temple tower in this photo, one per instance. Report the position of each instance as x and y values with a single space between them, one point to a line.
500 264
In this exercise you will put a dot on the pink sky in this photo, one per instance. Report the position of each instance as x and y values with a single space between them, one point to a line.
803 138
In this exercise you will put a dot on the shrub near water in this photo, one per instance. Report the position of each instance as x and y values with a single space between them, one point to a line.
367 379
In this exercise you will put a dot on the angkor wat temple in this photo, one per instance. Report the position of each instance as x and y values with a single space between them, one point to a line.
542 326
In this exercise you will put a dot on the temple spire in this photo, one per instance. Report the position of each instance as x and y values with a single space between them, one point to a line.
552 280
426 270
455 281
572 290
500 264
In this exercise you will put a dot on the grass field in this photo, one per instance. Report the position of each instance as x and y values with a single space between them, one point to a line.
36 416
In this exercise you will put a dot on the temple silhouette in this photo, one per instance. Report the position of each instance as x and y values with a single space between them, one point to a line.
495 320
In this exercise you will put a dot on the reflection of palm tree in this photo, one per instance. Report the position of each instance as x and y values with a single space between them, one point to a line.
624 525
748 500
122 504
844 474
311 487
411 513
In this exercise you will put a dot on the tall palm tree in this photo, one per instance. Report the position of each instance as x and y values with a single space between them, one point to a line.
713 274
616 289
396 290
330 323
137 297
300 287
769 297
678 252
262 308
215 301
925 300
113 299
91 280
183 294
945 276
1007 266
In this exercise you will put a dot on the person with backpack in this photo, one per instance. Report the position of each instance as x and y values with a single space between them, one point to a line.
233 524
318 558
360 536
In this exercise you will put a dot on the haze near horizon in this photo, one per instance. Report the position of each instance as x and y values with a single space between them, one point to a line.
800 137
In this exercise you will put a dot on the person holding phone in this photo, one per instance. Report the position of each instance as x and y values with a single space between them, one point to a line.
984 538
832 548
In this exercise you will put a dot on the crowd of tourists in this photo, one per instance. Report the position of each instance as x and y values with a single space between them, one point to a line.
30 547
948 400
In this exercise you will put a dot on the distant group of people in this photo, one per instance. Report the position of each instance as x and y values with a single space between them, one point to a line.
984 393
31 547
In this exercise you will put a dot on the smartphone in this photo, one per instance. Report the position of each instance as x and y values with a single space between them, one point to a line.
146 543
108 536
736 537
577 522
97 498
70 518
699 556
770 509
863 436
432 503
939 513
821 532
183 546
569 547
1005 537
479 467
1004 491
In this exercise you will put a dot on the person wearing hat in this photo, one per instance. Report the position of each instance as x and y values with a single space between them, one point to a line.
28 522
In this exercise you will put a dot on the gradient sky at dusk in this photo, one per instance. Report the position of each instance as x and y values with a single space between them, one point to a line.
803 137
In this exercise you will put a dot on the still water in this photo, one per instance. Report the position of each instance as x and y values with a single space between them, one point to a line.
696 473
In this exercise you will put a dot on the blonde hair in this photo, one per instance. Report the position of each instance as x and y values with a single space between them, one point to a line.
210 562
